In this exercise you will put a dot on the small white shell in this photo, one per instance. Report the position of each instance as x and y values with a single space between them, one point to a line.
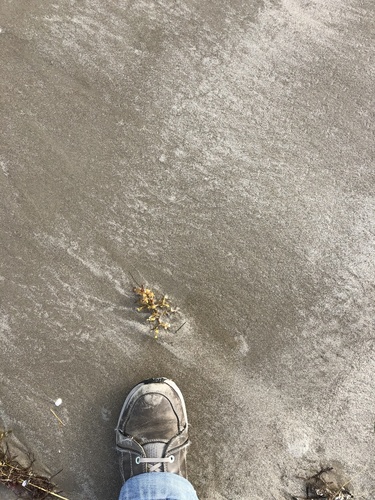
58 402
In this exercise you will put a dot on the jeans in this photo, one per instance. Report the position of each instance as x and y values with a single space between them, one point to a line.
157 486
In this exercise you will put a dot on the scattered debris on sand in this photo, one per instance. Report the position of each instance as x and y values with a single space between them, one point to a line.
159 309
324 485
18 474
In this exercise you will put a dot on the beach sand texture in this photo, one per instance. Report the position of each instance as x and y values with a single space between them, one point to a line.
219 152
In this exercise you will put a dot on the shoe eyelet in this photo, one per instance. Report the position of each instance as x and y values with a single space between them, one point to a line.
137 460
171 459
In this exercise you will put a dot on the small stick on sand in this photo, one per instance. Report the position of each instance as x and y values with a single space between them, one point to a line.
58 418
48 491
179 328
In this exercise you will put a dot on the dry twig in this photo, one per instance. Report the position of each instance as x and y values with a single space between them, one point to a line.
57 417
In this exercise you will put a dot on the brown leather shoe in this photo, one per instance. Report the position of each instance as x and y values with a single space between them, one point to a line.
152 431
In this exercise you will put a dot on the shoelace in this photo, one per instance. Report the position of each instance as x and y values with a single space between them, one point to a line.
156 461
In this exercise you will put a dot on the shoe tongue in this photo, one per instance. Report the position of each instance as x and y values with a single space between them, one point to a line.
154 450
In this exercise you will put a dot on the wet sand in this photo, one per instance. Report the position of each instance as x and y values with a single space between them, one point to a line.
219 152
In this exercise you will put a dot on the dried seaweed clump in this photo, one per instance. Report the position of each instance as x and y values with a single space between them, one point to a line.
22 479
159 308
324 486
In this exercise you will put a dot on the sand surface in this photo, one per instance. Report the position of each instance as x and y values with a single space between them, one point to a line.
220 152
